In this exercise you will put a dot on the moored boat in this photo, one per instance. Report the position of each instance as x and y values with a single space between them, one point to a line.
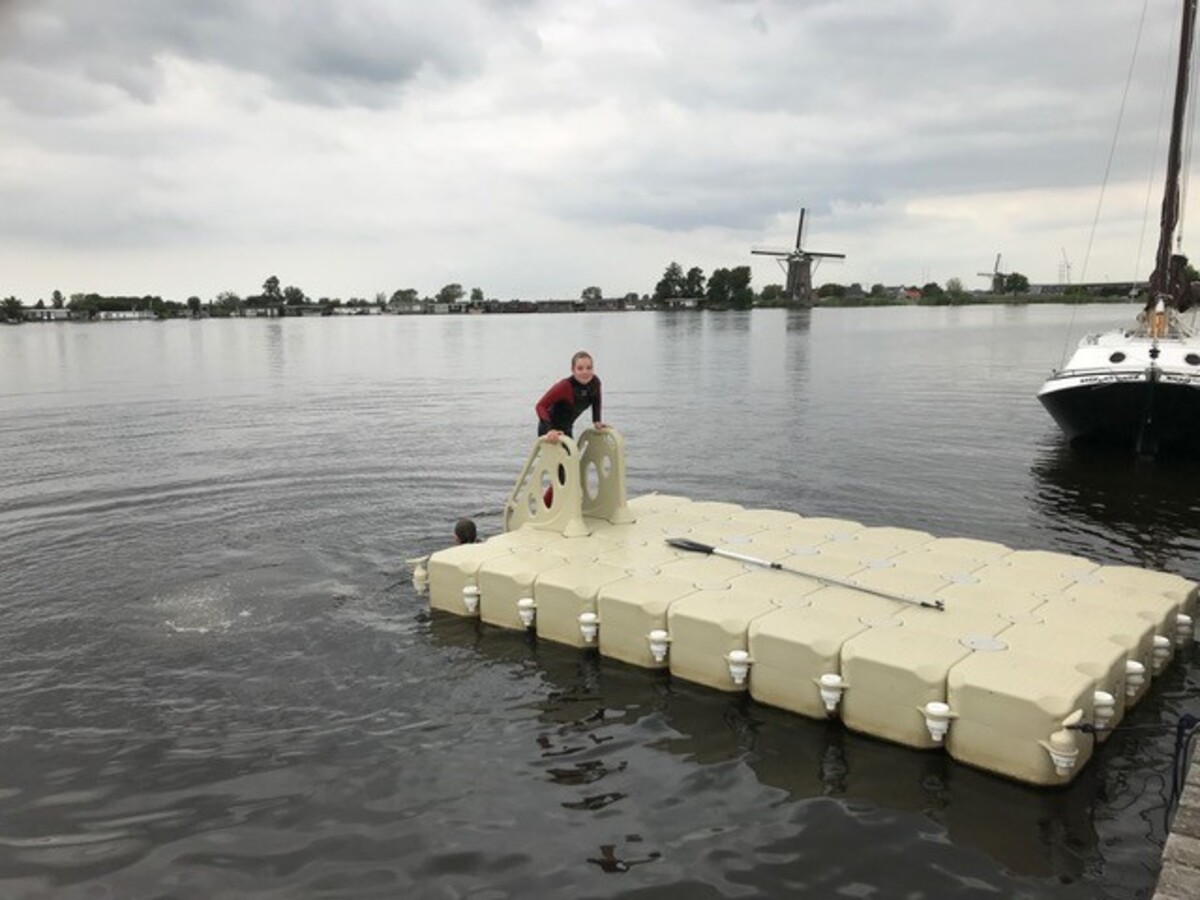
1141 386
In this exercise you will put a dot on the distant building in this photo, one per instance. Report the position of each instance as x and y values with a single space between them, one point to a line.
124 314
47 314
559 306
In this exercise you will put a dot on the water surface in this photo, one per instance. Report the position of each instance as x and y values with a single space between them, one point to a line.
216 680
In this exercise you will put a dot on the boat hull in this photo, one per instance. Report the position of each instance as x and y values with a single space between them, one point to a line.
1149 411
1127 388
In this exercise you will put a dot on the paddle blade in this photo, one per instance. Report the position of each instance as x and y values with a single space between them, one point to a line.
685 544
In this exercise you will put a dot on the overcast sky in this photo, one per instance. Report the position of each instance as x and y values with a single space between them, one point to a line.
535 147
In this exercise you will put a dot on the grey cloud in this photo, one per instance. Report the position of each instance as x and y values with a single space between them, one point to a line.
323 53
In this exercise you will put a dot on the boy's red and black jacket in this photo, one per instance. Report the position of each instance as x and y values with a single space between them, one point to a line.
561 405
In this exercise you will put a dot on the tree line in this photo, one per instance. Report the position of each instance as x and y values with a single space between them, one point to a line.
724 288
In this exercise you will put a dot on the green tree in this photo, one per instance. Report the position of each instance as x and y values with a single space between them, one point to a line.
1016 283
730 288
954 287
476 295
670 286
592 293
193 304
271 288
693 282
830 289
405 295
932 289
227 304
772 295
877 290
56 300
11 310
451 293
293 296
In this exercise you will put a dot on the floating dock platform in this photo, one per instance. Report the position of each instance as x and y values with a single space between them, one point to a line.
1013 661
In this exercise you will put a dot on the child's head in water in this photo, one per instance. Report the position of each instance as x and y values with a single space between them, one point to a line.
464 532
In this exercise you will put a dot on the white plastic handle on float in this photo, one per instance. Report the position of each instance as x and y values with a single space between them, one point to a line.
739 665
1135 677
1184 629
660 643
420 574
832 687
1063 745
1162 653
527 611
470 597
589 626
1104 707
938 716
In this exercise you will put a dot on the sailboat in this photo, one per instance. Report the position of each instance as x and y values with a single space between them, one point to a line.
1140 386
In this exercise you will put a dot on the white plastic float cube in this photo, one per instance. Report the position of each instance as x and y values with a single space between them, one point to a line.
868 544
648 504
1037 570
822 529
894 670
703 571
641 558
1010 707
768 519
455 568
1095 655
914 586
504 580
706 627
1161 610
990 590
731 533
630 609
1144 581
1126 628
792 648
715 509
566 593
950 555
783 588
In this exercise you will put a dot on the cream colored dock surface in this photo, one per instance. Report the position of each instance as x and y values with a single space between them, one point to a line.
1027 647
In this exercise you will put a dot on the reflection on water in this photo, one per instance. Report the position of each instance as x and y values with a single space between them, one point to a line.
1111 504
591 705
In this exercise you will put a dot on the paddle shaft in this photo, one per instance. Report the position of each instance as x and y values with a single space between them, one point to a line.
686 544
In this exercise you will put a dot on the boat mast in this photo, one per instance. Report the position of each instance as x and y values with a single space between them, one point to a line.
1162 281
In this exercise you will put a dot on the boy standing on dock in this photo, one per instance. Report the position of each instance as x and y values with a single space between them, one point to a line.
567 399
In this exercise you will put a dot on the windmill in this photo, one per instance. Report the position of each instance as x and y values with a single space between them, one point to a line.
996 275
799 265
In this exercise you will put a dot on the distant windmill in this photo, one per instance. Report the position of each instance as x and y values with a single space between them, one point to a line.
799 265
996 275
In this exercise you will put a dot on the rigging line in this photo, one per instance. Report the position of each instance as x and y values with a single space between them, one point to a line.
1087 255
1116 134
1152 176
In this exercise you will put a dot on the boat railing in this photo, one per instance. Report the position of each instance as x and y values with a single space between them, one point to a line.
564 482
